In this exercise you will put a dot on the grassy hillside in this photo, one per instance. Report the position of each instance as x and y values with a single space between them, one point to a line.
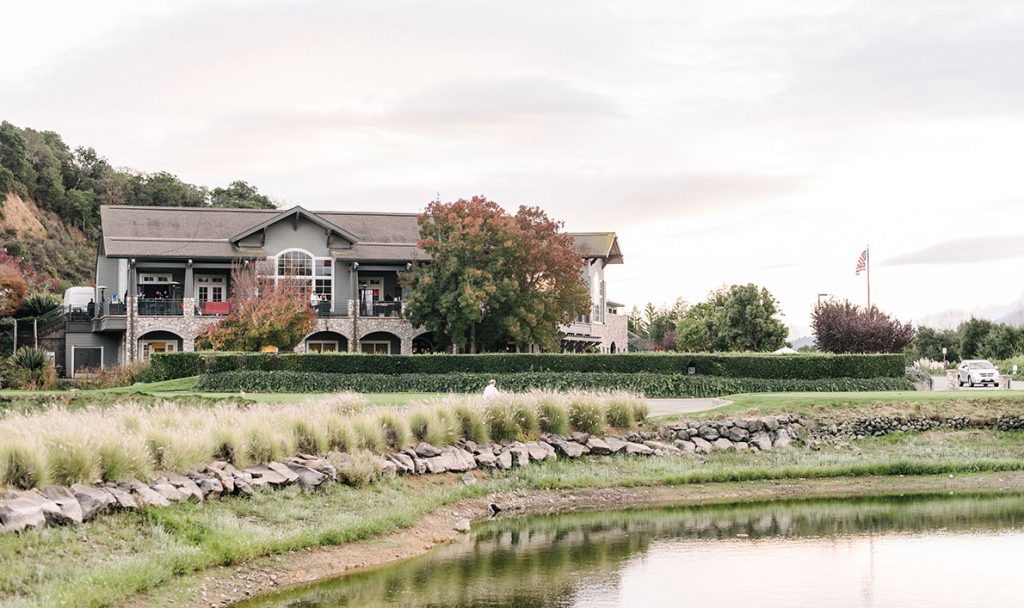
51 197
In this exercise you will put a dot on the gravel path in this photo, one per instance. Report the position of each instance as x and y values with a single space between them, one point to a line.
665 407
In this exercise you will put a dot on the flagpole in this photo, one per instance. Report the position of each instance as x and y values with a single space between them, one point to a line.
867 251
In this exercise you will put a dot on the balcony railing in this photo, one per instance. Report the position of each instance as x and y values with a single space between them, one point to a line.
380 309
326 309
113 309
156 307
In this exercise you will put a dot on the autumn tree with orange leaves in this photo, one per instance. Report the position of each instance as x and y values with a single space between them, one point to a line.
494 278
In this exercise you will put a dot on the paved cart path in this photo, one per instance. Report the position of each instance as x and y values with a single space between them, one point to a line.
665 407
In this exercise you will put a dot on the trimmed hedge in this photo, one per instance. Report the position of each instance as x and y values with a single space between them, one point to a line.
794 367
651 385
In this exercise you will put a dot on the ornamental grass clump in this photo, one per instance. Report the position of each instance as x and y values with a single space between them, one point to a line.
307 438
368 434
619 414
552 416
586 416
419 423
472 424
444 427
71 463
122 459
501 422
395 430
21 467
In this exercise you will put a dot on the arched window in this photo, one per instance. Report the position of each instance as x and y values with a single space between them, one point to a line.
314 275
294 264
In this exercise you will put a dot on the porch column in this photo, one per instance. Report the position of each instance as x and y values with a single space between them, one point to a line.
406 348
190 282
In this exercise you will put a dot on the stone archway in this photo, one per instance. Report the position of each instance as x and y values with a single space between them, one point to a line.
159 341
423 344
325 342
380 343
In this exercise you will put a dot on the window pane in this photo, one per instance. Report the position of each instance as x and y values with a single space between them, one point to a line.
323 268
323 288
294 264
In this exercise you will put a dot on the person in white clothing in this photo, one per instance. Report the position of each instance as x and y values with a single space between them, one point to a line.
491 390
314 299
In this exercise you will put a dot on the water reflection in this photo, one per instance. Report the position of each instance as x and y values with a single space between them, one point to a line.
880 552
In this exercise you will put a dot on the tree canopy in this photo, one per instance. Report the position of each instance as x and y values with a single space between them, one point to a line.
494 278
737 318
844 327
657 324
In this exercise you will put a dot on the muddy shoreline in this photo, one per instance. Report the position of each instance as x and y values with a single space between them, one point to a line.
228 585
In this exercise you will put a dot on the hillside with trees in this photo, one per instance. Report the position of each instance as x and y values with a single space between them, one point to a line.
52 195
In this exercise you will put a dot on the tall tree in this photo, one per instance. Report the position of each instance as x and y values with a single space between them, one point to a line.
240 195
972 333
740 318
494 278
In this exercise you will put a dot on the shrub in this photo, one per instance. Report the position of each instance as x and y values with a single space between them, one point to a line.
526 420
501 422
71 463
339 436
586 417
32 370
307 438
419 423
552 417
472 423
120 460
445 428
112 376
368 435
619 414
261 447
648 384
359 469
21 467
843 327
38 304
396 433
764 366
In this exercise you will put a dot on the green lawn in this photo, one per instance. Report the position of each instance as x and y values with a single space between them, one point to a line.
823 403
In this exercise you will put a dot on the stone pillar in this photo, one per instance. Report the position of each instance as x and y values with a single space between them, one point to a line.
406 345
190 283
188 307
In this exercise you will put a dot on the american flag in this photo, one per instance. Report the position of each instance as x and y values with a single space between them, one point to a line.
862 262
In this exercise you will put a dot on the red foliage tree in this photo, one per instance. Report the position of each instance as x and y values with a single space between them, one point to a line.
262 312
12 289
843 327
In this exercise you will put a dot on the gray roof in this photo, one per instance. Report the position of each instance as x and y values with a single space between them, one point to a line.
203 232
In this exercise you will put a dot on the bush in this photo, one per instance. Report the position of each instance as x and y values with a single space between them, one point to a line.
71 463
619 414
261 447
472 423
20 467
396 433
650 385
359 469
501 422
552 417
586 417
31 369
801 367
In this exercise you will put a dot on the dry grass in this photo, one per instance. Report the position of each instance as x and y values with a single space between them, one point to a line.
137 440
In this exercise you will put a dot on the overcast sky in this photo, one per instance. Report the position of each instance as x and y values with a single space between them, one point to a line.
725 142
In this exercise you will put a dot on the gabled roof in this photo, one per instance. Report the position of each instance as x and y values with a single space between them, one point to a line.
295 213
598 245
204 232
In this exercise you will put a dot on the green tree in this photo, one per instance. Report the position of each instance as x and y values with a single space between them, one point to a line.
494 278
973 333
240 195
740 318
654 322
928 344
1003 342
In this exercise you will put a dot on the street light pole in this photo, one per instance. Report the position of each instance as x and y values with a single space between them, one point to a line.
820 295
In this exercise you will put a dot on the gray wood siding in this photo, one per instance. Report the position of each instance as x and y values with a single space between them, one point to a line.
342 285
107 276
111 344
307 236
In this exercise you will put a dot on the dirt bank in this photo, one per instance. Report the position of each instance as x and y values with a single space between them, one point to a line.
224 586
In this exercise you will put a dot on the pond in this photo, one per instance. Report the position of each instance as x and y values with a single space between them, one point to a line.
898 552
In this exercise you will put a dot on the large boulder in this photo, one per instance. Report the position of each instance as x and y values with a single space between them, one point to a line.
265 475
93 500
504 460
615 444
708 432
761 440
147 496
168 491
187 487
782 438
68 511
738 434
569 449
123 495
638 449
684 445
487 459
23 512
598 447
308 478
701 445
540 451
226 479
283 470
425 450
723 444
404 463
661 447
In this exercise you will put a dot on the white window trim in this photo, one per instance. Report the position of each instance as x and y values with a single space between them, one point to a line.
143 343
384 342
152 275
312 275
74 349
221 281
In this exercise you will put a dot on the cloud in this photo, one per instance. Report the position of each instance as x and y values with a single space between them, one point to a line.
971 250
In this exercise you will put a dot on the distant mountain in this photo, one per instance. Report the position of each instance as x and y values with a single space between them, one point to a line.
802 342
1012 313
